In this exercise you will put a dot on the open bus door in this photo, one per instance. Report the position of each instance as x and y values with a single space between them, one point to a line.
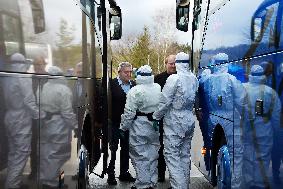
115 23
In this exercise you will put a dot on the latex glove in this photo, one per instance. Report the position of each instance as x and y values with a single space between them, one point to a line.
155 125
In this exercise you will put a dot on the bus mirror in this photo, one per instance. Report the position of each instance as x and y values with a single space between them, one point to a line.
99 17
38 16
182 14
115 20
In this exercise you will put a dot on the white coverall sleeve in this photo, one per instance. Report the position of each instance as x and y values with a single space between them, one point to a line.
166 98
131 107
67 110
240 95
29 99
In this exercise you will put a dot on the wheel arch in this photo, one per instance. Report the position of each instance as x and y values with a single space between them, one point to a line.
218 139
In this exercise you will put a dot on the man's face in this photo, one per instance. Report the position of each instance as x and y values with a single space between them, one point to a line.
39 66
125 74
170 66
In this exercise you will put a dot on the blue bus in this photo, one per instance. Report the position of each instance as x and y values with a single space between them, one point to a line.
52 127
241 145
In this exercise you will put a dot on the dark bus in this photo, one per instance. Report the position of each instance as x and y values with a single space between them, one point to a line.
53 123
237 144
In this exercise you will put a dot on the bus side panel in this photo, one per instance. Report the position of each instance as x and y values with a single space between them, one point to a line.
255 135
68 38
223 33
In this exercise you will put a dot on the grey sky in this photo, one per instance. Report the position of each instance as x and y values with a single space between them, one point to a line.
137 13
233 28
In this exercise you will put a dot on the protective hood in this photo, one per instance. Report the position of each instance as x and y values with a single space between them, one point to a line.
221 69
54 70
19 63
257 75
216 61
205 73
182 63
144 75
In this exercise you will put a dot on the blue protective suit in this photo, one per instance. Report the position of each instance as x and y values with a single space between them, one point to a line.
259 129
227 98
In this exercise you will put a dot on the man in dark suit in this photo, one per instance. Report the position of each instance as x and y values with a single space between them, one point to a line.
119 89
39 66
161 80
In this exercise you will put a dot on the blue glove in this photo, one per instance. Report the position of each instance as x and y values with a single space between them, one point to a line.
155 125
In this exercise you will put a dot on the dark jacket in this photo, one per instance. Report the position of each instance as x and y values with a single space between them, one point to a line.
161 78
118 101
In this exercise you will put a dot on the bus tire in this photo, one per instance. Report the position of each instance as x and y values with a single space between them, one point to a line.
219 140
223 168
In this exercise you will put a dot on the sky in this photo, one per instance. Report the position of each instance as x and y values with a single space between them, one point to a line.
137 13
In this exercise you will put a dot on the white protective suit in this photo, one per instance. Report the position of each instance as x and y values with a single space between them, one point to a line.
143 139
233 95
258 129
176 105
21 109
56 130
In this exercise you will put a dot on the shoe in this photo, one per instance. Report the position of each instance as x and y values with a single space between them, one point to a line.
170 188
111 180
127 177
133 187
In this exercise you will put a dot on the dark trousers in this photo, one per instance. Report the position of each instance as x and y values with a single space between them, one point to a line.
124 152
34 148
161 161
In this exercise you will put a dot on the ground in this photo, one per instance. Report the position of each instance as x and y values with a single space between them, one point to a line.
197 179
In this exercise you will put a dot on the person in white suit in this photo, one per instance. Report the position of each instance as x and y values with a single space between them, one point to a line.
176 105
142 101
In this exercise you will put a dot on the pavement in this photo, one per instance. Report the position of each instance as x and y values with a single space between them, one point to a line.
198 181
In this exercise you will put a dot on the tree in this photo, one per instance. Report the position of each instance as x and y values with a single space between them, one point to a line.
141 49
150 46
65 35
67 53
164 25
135 49
121 49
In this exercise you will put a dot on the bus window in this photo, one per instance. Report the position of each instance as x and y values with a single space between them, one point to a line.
263 27
11 28
38 16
